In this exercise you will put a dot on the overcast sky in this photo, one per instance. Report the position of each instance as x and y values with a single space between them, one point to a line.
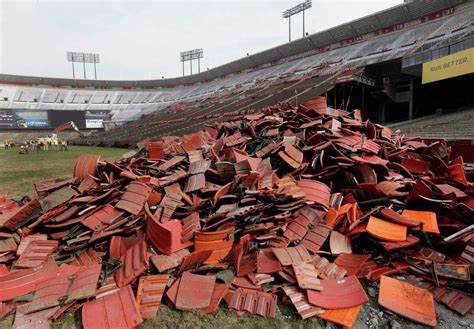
142 39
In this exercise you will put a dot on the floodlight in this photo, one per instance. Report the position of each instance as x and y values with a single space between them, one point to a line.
295 10
190 55
77 57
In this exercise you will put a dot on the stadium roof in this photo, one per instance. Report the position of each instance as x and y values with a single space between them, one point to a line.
388 17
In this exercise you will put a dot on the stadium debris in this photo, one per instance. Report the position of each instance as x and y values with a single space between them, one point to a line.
305 203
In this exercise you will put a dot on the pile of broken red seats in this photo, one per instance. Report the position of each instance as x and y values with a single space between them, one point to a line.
306 204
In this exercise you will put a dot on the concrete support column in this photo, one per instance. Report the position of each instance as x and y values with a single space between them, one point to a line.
382 113
410 102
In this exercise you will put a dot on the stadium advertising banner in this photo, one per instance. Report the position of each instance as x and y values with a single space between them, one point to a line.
7 118
95 118
449 66
31 118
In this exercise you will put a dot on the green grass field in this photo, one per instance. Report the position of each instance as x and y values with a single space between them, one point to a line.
19 171
17 174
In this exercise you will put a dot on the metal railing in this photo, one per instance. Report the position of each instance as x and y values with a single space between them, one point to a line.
429 55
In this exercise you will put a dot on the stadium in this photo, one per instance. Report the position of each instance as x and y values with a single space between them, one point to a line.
386 98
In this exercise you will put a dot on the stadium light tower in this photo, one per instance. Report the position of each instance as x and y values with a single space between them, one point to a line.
83 58
295 10
190 55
